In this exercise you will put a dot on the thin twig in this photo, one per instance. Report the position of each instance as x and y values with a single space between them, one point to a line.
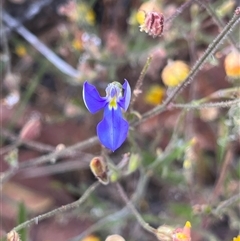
226 204
227 161
120 215
179 11
28 143
196 68
145 225
195 105
60 209
105 221
49 157
137 88
40 46
4 42
219 22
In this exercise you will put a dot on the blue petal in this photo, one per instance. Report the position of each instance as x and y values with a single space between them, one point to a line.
125 100
113 129
93 101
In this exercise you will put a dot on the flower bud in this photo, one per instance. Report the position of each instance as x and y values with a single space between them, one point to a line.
175 73
237 11
164 233
91 238
201 209
153 24
13 236
232 65
115 237
155 95
31 130
209 114
99 169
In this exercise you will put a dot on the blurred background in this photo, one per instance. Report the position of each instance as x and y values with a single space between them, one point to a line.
178 166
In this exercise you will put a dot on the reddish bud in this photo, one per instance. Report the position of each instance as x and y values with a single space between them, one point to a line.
31 130
153 24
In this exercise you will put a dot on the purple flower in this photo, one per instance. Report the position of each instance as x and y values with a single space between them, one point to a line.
113 129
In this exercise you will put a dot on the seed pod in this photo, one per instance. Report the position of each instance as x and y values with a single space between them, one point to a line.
99 169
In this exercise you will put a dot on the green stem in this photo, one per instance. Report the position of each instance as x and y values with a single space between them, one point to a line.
137 88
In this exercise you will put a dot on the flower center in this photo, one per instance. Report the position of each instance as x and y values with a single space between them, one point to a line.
181 236
114 92
113 103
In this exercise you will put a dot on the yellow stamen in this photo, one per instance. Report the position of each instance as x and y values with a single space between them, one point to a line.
113 103
188 224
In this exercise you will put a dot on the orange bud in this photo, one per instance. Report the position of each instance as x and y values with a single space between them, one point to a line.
91 238
99 169
164 233
154 95
232 64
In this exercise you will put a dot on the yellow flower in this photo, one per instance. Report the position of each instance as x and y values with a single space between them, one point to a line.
154 95
84 11
175 73
232 64
183 234
90 17
20 50
237 238
146 7
91 238
77 44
